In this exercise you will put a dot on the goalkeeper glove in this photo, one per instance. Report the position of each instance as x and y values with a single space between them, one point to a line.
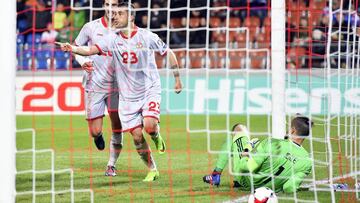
212 179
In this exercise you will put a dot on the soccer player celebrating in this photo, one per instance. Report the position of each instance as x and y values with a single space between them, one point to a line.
282 162
138 79
100 85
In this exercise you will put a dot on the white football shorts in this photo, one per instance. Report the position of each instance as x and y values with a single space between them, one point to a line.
95 103
132 113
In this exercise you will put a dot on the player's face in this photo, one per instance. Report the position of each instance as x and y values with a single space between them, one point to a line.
123 18
110 8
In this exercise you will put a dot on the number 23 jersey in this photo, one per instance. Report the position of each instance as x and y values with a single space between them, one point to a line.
134 62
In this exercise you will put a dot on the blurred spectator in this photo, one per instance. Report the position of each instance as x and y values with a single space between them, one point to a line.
318 48
60 17
201 14
302 37
77 19
158 18
351 18
144 22
141 17
136 5
21 19
219 13
67 23
197 37
42 15
64 35
178 39
321 30
49 36
258 8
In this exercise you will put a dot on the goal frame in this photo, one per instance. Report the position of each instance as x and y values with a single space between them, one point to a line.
278 67
7 103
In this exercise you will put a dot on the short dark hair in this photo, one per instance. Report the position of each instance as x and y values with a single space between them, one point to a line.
233 128
128 5
302 125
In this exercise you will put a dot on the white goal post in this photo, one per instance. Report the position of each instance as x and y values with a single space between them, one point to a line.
7 102
278 11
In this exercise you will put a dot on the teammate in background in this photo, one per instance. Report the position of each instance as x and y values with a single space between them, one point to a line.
284 162
100 85
138 79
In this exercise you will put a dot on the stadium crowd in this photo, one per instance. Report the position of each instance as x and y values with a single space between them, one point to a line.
40 24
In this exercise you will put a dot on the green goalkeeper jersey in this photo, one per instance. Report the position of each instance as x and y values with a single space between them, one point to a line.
280 161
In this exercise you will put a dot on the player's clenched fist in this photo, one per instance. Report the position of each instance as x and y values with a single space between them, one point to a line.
88 66
178 86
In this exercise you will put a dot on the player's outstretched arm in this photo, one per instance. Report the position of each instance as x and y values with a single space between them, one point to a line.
82 50
175 67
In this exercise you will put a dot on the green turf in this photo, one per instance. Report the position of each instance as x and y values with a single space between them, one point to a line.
181 168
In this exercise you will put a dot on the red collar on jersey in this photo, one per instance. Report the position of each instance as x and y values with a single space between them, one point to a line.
103 21
132 33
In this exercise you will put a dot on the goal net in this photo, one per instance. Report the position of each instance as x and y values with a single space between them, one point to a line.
223 48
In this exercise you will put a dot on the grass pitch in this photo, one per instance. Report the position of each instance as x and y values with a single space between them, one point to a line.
181 169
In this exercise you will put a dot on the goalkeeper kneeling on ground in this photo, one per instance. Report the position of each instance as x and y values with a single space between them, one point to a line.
282 162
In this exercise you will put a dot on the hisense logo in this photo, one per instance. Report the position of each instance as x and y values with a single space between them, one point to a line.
233 96
64 95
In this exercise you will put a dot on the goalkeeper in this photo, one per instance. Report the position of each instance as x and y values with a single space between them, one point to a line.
282 162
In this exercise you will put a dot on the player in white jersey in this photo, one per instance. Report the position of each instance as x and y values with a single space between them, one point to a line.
138 79
100 85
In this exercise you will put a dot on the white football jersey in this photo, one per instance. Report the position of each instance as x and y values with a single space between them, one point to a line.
102 78
134 62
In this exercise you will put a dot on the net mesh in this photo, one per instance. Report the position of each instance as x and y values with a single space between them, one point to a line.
223 48
42 175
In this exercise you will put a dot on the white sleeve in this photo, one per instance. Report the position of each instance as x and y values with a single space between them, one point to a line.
84 36
81 40
104 45
81 59
157 44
